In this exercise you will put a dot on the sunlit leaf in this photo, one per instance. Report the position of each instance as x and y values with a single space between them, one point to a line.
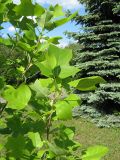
64 20
59 53
44 68
26 8
73 99
54 40
6 42
67 71
86 84
95 153
38 10
42 46
58 11
36 139
30 34
24 46
17 98
50 25
45 18
63 110
41 87
54 58
70 133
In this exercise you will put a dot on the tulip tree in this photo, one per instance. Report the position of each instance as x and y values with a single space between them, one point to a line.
29 111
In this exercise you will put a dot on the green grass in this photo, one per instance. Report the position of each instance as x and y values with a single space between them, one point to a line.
88 134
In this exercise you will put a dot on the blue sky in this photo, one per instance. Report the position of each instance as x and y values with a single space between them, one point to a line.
72 5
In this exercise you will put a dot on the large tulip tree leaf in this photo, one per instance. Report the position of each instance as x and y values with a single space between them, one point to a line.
17 98
56 65
87 84
26 8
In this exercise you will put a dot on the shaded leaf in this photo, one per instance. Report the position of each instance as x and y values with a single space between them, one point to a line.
1 83
16 145
56 150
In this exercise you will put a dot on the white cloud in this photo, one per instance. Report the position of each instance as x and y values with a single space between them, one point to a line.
11 29
67 4
16 1
63 43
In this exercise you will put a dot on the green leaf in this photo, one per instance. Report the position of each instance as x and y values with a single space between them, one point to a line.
41 87
6 42
36 139
95 153
38 10
54 40
74 100
56 150
64 20
54 58
45 18
23 24
16 146
2 7
42 46
24 46
69 132
17 98
41 153
56 23
87 84
58 54
44 68
30 34
26 8
63 110
67 71
58 11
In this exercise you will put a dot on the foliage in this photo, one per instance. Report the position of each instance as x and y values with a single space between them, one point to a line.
88 134
99 55
28 110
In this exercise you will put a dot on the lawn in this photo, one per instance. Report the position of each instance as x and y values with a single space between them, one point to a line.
88 134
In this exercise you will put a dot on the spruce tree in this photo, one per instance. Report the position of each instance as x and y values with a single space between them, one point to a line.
99 54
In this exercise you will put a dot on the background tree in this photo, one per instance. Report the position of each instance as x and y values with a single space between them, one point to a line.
99 54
